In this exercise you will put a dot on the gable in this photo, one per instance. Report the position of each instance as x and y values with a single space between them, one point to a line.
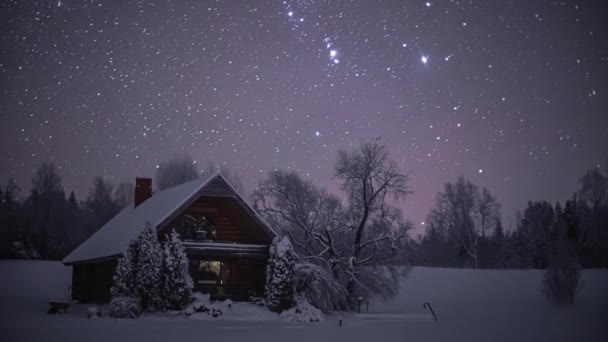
219 214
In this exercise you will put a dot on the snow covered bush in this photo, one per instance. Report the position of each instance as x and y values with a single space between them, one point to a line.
138 273
202 304
125 307
317 286
303 312
280 289
176 281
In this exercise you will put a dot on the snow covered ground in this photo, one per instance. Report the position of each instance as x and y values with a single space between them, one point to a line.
471 306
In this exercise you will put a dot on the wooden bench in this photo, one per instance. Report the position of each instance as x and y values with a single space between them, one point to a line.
60 305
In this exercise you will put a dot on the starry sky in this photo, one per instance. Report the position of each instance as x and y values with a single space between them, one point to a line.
512 94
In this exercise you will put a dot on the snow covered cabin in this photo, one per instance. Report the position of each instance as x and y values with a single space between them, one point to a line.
227 242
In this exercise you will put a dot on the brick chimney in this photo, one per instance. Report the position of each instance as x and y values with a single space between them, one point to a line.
143 190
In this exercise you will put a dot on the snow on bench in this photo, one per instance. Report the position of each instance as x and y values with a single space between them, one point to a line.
58 305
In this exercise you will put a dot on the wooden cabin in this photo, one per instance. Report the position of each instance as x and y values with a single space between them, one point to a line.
226 241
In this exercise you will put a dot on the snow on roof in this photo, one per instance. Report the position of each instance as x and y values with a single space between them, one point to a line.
114 237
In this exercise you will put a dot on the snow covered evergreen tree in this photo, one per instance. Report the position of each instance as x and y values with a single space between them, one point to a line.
149 272
280 272
124 278
138 273
176 282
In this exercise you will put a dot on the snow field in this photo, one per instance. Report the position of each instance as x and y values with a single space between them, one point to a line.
488 305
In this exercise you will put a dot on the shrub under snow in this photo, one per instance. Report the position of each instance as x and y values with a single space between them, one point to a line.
280 289
202 304
125 307
303 312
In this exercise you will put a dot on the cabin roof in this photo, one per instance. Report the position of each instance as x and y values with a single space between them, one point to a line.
113 238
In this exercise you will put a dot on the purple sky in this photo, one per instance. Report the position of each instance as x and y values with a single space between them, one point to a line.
512 94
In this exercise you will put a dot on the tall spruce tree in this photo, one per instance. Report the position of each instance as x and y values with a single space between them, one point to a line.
176 282
280 288
150 264
126 271
139 270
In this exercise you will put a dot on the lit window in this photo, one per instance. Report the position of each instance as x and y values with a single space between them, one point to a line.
209 272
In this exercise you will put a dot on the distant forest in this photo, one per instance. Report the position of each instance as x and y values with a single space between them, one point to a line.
463 229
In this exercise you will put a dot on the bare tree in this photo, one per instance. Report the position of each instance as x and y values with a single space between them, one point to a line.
310 216
370 178
124 194
177 170
467 214
594 189
358 239
99 200
46 180
489 212
593 199
47 206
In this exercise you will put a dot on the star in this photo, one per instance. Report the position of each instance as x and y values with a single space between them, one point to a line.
333 53
317 133
428 4
424 59
290 14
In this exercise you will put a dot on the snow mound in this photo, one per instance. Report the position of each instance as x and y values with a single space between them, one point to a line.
125 307
202 308
303 312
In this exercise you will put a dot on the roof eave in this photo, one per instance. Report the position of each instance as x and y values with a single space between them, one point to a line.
92 261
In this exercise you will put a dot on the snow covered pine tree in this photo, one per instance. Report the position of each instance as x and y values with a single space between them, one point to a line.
138 273
176 282
150 264
124 278
280 288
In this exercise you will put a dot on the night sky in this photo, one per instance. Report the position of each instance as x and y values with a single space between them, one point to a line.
512 94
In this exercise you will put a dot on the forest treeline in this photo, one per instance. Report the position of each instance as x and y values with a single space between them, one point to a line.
48 222
463 229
